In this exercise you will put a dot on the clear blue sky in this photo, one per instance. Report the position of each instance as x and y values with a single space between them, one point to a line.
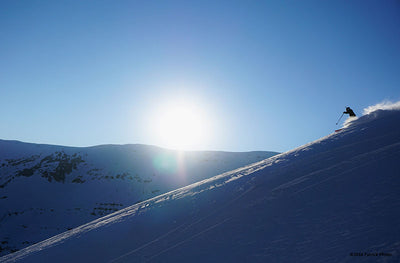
272 75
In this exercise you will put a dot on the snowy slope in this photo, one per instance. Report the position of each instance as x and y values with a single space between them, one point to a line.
317 203
46 189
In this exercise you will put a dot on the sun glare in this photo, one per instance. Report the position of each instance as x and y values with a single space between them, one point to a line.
181 126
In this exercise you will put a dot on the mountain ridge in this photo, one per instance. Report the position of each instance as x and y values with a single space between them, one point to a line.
43 185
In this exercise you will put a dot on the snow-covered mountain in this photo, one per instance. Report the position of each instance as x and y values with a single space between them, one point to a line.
333 200
46 189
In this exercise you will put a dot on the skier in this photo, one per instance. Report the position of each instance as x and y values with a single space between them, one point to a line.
350 112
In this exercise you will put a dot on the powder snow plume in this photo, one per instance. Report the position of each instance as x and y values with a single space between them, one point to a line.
385 105
349 121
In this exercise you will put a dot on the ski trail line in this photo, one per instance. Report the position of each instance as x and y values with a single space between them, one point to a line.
188 239
219 209
147 244
201 219
184 229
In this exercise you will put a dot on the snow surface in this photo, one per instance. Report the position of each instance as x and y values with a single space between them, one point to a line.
317 203
46 189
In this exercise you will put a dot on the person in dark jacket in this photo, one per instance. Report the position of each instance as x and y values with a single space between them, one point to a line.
350 112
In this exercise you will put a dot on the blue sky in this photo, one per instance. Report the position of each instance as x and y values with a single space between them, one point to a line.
269 75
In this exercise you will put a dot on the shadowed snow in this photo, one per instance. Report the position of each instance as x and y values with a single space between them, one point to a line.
320 202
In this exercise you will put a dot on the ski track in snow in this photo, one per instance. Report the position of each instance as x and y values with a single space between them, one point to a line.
189 238
147 244
185 229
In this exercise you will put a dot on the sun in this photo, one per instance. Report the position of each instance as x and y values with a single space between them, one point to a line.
181 126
